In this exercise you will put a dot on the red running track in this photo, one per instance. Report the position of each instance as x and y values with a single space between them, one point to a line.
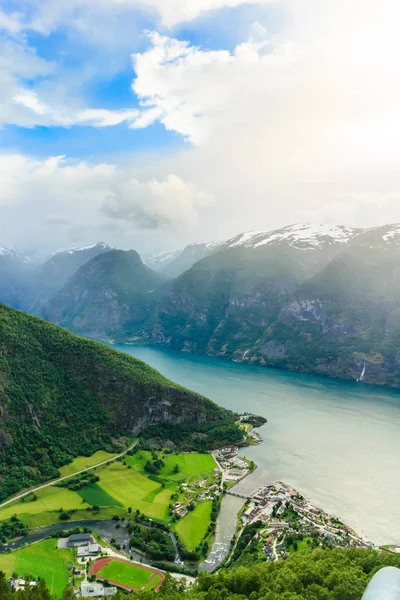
102 562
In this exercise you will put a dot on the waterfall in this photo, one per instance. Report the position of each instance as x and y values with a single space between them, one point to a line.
362 373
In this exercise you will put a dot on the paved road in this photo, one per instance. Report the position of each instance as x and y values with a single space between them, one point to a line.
44 485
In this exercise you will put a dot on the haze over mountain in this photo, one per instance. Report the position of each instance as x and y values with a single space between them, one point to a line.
305 236
111 295
305 297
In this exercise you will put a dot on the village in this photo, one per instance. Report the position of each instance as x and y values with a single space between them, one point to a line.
230 470
293 524
232 466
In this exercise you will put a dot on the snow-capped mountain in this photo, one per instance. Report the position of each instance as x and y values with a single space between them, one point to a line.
99 246
302 236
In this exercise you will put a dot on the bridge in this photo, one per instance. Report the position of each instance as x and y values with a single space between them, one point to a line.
237 495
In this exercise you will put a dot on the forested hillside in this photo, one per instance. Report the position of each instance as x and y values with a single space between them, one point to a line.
61 396
322 575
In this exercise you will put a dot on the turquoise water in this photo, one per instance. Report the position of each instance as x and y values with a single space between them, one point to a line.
336 442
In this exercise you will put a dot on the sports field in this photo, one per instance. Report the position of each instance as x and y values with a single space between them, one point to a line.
94 495
132 489
40 560
192 528
125 574
50 498
83 462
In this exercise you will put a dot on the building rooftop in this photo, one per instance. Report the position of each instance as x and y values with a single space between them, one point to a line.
96 590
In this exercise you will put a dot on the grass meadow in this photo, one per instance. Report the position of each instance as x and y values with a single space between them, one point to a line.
43 560
192 528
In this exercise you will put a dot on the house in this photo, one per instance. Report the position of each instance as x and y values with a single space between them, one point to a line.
79 539
279 524
89 550
262 501
228 452
96 590
20 584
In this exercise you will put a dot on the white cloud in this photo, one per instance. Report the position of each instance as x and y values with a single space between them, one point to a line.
77 200
299 125
47 15
152 204
31 93
11 22
290 126
176 11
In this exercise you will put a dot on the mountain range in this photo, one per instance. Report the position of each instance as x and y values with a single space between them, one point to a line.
311 298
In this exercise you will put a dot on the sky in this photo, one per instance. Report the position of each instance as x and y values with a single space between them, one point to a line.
150 124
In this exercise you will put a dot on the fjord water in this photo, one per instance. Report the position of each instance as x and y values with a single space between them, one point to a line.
336 442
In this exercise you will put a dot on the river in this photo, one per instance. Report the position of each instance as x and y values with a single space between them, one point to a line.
337 442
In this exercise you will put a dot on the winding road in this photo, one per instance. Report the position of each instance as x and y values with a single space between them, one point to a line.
55 481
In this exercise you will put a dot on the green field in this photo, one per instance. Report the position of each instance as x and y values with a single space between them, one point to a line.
48 518
132 489
94 495
192 528
192 466
120 486
48 499
302 547
126 574
40 560
83 462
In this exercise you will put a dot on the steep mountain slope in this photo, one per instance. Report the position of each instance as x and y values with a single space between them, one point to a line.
325 301
50 277
345 321
61 396
313 298
110 296
224 302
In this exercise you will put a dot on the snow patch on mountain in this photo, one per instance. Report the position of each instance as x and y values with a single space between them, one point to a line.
301 236
162 256
392 233
99 245
8 252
